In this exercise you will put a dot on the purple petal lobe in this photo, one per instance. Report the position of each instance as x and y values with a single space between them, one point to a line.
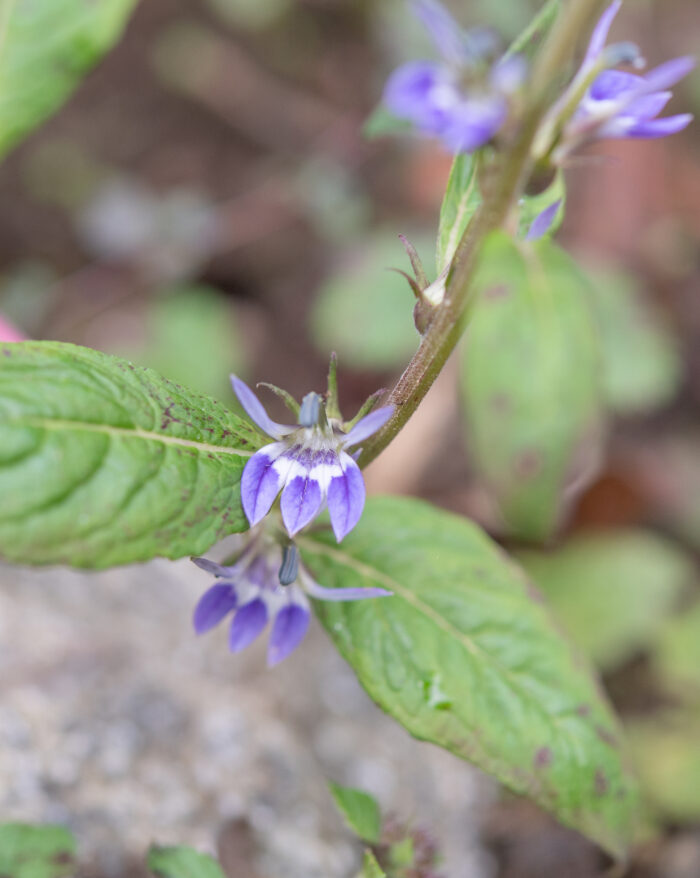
611 84
342 594
661 127
543 222
214 604
300 504
600 33
346 497
422 92
473 123
368 425
261 482
248 623
444 30
255 411
668 74
288 630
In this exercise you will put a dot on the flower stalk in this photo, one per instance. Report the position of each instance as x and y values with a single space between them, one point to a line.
501 192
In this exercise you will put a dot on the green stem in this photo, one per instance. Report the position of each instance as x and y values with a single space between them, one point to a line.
501 193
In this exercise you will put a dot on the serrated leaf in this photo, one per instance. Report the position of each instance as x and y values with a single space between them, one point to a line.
102 462
612 590
371 868
641 364
36 851
363 310
360 810
45 48
676 658
530 383
462 198
182 862
466 655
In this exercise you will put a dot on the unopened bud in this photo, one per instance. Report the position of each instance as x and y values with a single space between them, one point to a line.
290 565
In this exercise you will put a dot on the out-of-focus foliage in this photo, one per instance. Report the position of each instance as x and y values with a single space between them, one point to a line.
530 383
182 862
360 811
250 14
611 590
364 311
640 364
677 655
36 851
46 48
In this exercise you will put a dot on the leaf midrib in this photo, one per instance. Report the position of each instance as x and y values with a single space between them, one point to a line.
125 432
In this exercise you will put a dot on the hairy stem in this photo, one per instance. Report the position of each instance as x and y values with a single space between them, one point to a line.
501 192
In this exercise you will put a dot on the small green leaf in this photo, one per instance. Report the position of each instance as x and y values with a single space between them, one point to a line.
360 810
676 659
462 198
103 463
530 383
363 310
515 698
531 206
371 868
612 590
45 48
182 862
640 359
36 851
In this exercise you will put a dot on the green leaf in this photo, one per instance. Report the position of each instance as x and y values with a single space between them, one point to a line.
466 655
665 748
641 363
527 42
459 205
36 851
102 462
613 590
45 48
530 383
676 659
371 868
360 810
182 862
364 311
531 206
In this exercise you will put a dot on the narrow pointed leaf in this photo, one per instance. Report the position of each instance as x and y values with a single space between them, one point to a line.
466 655
360 810
459 205
103 462
45 48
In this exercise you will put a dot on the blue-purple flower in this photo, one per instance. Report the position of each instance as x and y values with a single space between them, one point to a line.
252 590
308 463
462 99
603 103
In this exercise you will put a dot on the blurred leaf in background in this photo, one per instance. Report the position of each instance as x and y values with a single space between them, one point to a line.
182 862
192 338
360 811
363 311
250 14
530 383
612 590
641 368
25 294
36 851
676 659
46 49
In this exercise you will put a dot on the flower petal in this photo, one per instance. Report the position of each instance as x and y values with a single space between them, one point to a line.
473 123
611 84
248 623
216 569
346 497
290 626
543 221
669 73
424 93
261 481
301 502
368 425
214 604
600 34
443 29
322 593
661 127
255 411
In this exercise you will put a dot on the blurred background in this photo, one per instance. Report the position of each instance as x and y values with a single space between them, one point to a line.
207 202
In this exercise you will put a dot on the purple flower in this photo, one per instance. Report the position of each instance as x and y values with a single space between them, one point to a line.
461 99
308 463
605 103
251 589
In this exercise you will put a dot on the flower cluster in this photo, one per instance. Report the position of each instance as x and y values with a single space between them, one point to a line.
462 99
603 103
266 583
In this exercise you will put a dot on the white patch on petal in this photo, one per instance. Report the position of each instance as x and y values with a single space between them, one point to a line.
322 474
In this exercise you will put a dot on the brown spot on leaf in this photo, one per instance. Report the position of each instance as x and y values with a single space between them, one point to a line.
583 710
606 736
528 464
600 783
543 757
500 403
497 291
533 592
